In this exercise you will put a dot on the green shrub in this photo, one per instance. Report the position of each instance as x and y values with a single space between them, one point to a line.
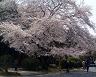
31 64
73 62
6 62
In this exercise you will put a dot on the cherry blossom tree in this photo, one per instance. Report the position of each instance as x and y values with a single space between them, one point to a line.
49 26
8 10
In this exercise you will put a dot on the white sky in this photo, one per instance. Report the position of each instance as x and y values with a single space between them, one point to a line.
92 4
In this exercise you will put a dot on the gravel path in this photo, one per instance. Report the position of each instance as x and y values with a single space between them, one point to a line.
75 73
72 74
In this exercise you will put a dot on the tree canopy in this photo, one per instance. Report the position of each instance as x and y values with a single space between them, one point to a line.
54 26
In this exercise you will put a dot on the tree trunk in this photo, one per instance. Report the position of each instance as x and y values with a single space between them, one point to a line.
6 70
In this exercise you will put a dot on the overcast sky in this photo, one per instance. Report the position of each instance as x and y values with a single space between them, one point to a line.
92 4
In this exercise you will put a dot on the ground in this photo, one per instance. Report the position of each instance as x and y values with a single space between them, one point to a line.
72 73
